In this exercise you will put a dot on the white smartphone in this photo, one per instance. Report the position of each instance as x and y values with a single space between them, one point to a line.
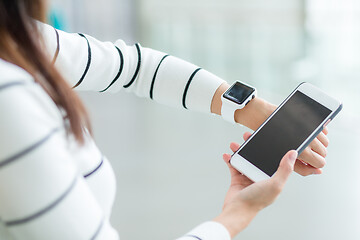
292 126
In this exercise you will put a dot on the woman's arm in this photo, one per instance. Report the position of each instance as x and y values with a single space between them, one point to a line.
91 65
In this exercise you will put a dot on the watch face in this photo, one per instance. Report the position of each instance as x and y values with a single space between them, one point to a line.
238 93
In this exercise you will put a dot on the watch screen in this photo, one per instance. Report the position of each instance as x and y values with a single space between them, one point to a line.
238 93
291 125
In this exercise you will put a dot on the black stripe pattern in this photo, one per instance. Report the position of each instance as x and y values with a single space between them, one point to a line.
43 211
29 149
188 85
10 84
154 78
120 69
98 230
96 169
193 236
57 47
137 67
88 62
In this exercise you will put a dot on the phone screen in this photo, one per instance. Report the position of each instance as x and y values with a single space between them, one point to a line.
286 130
238 93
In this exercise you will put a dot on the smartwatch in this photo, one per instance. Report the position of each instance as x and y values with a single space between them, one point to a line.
236 97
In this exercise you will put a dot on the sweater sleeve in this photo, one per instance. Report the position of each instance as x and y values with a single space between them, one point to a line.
91 65
42 194
208 231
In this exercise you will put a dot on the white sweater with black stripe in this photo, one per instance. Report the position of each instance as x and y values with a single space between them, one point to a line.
52 188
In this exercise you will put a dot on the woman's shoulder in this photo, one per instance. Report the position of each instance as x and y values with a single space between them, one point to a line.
11 73
23 100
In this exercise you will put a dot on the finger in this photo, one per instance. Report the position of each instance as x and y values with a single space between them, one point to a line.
305 170
232 170
314 159
246 136
323 139
285 168
325 130
234 146
226 157
318 147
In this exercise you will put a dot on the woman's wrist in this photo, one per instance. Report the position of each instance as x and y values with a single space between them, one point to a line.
254 113
251 116
236 220
216 101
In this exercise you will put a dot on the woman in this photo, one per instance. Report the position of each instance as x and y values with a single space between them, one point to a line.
54 182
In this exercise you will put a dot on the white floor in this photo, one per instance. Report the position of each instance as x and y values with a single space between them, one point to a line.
171 176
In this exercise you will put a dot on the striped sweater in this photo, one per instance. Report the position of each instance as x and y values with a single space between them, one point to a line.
53 188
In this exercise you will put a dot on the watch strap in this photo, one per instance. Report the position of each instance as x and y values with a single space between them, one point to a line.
228 111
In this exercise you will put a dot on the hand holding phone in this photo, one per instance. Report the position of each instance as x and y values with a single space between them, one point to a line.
293 125
245 199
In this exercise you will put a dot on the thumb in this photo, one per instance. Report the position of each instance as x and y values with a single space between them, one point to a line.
286 167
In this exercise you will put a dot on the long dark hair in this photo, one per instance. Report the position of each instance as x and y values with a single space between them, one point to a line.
22 44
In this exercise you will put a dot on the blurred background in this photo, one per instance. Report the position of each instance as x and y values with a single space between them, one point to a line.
168 162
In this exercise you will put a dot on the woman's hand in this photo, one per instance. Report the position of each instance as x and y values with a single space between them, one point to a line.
245 198
311 160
